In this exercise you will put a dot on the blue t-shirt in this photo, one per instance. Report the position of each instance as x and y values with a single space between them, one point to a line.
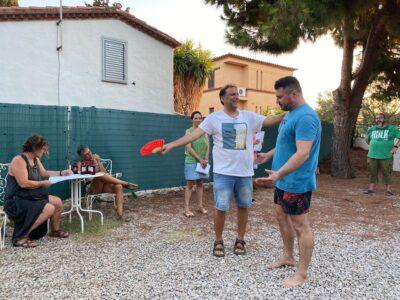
300 124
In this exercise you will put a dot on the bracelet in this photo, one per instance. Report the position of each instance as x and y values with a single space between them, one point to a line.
396 147
60 173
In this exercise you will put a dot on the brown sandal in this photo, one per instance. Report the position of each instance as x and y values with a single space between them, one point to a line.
25 243
202 210
239 248
219 251
132 186
59 234
188 214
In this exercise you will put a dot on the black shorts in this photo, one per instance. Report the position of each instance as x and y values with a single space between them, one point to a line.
293 204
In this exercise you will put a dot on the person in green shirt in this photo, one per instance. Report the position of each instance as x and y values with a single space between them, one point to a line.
195 152
381 140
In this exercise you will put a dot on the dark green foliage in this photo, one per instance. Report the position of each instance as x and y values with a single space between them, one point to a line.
278 27
106 3
9 3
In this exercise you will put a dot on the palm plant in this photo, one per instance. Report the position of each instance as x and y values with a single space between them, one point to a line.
192 67
8 2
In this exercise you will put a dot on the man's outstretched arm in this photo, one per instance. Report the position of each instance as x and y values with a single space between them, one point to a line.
273 120
186 139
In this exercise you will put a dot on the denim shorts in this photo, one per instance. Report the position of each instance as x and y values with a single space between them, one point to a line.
191 174
225 186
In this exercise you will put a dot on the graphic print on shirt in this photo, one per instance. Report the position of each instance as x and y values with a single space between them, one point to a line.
380 134
234 136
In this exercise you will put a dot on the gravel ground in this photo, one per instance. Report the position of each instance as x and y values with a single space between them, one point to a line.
163 255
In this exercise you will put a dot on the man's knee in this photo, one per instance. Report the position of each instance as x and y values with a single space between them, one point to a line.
219 213
280 214
118 187
301 224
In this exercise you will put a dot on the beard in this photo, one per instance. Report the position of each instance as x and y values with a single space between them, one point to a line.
285 107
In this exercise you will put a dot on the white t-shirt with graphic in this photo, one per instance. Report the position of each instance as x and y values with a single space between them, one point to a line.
233 141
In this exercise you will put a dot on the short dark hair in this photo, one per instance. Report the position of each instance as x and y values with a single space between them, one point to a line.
81 148
195 113
35 142
288 83
222 91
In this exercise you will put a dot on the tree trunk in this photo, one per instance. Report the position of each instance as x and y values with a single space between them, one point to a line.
348 97
343 127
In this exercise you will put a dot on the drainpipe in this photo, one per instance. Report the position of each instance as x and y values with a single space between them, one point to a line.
59 48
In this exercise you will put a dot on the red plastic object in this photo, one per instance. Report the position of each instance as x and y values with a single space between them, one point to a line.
152 147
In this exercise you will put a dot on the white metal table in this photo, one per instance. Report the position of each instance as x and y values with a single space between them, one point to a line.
76 197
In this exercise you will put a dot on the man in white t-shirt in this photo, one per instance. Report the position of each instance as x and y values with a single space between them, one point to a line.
232 132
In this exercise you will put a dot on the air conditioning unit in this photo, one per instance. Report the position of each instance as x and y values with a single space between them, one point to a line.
242 92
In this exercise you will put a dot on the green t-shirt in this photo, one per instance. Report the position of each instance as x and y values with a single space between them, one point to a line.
199 146
381 141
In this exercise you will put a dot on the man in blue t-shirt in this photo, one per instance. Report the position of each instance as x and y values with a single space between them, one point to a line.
295 160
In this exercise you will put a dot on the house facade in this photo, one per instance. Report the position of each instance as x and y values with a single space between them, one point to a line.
85 56
254 78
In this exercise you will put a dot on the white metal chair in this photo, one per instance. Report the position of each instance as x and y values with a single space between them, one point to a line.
106 197
4 219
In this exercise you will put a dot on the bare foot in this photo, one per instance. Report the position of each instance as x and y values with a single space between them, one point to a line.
282 262
294 280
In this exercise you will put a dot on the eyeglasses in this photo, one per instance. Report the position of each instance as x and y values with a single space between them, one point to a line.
89 153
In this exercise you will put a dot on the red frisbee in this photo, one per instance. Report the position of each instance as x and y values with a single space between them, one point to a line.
152 147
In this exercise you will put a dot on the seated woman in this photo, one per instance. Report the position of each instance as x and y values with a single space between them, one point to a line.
106 183
27 202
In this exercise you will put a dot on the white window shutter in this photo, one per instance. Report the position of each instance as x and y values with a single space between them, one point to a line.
114 61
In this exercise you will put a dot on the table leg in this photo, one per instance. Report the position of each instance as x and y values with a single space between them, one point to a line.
76 203
72 204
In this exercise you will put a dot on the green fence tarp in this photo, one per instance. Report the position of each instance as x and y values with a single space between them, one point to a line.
113 134
18 122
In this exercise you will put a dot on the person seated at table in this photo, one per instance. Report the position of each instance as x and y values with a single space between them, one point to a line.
27 202
105 183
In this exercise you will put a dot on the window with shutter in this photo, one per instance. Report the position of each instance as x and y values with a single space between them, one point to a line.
114 60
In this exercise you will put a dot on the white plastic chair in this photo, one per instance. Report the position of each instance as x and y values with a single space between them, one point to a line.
106 197
4 219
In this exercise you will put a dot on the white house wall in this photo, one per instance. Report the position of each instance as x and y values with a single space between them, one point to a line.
29 66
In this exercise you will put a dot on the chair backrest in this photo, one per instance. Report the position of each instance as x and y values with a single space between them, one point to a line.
3 181
107 163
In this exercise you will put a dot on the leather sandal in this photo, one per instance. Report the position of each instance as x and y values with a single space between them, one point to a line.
188 214
25 243
219 251
239 248
59 234
131 186
202 210
369 192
